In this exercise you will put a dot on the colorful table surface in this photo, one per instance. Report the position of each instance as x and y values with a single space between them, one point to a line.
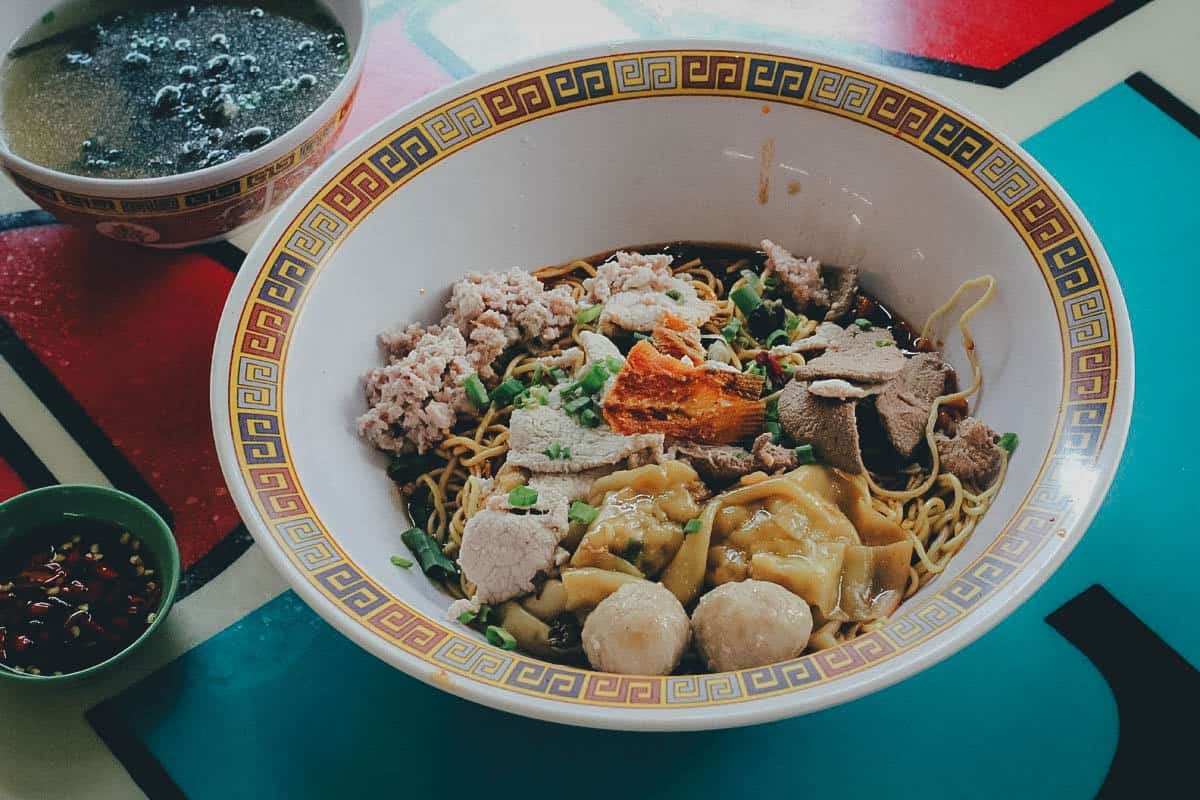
247 694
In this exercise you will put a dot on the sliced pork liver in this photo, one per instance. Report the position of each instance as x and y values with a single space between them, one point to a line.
904 403
866 356
830 426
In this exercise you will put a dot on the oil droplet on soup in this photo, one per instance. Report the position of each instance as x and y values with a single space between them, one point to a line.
148 88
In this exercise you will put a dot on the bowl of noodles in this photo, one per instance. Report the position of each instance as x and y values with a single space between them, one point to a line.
672 385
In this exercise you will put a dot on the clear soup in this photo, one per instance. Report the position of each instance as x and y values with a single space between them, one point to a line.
145 88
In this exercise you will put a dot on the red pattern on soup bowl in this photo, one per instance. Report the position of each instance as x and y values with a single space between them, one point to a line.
203 205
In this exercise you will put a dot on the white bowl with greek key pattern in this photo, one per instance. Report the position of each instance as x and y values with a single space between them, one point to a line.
580 152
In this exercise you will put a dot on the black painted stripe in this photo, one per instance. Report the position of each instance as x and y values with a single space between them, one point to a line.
225 253
1020 66
1168 103
131 751
20 456
1156 689
215 561
1060 43
81 427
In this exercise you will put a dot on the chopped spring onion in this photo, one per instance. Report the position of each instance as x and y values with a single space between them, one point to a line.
588 418
746 299
475 391
675 295
401 562
1009 442
480 616
770 283
556 452
791 322
533 397
577 405
582 513
692 526
884 343
559 375
614 364
805 454
522 497
732 329
508 389
594 379
771 413
433 561
778 336
638 336
755 369
587 316
775 429
752 279
863 324
500 638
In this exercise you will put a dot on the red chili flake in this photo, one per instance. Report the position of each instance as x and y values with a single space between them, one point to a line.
40 609
774 368
105 572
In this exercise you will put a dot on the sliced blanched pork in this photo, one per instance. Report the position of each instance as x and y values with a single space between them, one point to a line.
532 432
503 549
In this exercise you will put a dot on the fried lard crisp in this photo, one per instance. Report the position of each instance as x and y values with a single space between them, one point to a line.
658 393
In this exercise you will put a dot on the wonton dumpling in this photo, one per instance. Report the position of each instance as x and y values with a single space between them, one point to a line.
814 532
642 513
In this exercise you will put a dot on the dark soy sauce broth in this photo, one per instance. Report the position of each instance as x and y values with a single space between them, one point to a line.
73 595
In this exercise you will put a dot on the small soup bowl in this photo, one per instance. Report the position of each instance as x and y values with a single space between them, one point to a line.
32 511
206 204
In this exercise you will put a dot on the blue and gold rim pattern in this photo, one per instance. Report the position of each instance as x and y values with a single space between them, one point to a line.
1056 241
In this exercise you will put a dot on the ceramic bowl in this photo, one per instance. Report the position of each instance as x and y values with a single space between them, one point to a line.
53 505
577 153
200 206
